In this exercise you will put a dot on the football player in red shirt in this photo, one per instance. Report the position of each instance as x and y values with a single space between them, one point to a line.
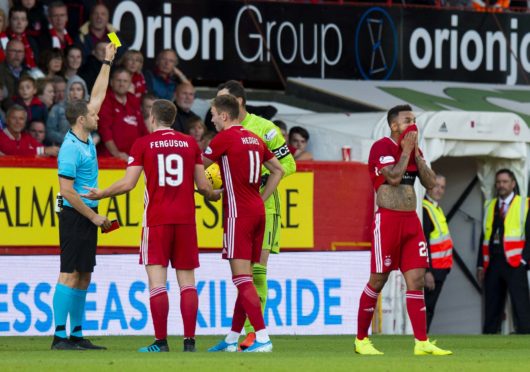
241 154
172 162
398 241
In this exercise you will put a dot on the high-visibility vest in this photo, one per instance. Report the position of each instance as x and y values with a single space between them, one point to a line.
514 224
439 239
497 7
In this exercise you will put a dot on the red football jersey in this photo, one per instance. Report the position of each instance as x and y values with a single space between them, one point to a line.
383 153
169 158
240 154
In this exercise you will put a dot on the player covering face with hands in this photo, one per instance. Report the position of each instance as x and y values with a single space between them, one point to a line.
398 241
172 163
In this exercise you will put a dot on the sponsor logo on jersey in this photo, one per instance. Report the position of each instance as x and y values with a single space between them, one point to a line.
370 310
281 152
271 134
208 151
130 160
386 159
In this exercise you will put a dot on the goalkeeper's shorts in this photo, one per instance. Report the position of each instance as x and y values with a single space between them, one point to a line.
271 238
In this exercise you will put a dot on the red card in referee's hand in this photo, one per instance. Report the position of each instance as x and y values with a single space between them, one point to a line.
114 225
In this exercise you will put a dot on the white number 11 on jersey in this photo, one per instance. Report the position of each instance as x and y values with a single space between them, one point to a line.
255 169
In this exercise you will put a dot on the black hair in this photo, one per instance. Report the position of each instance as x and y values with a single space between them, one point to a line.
235 88
394 112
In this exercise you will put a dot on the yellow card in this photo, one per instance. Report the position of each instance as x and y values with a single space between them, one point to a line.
114 39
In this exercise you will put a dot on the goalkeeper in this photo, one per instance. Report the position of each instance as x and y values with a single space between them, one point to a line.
271 135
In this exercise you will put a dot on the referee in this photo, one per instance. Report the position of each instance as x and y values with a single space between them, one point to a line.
79 218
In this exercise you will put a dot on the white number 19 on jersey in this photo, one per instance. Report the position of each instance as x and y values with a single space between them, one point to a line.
170 170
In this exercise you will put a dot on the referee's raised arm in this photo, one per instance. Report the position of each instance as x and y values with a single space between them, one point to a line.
100 86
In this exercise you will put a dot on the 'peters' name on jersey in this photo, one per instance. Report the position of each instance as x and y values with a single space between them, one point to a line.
249 141
169 143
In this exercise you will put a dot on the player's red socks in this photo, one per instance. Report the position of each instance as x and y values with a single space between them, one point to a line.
238 320
159 310
416 310
367 305
189 304
249 301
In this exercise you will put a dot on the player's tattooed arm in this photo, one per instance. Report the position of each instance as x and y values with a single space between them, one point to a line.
394 174
400 198
426 174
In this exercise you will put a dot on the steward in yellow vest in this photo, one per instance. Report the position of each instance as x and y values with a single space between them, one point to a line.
501 261
439 244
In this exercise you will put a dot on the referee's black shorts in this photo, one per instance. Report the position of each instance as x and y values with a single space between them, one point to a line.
78 237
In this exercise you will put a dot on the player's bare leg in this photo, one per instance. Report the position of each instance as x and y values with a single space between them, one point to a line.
189 305
260 282
159 303
415 280
367 305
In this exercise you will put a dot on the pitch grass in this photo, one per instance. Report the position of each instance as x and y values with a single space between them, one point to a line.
291 353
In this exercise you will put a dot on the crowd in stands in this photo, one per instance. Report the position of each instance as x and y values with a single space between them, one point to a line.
48 59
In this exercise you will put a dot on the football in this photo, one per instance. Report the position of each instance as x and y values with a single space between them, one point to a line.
213 174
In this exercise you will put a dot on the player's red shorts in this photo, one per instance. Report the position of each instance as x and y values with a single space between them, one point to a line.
177 244
243 237
397 242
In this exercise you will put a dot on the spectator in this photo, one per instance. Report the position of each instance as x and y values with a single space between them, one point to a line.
147 104
14 141
3 93
164 79
57 124
51 62
37 130
59 87
207 138
73 60
195 128
12 69
120 117
133 62
90 69
495 6
184 97
283 128
3 36
45 92
57 36
95 30
27 98
18 23
298 138
37 21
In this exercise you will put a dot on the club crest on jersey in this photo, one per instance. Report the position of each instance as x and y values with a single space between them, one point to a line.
386 159
271 134
208 150
388 261
130 160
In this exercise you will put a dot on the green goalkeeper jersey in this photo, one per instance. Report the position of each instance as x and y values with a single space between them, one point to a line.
272 136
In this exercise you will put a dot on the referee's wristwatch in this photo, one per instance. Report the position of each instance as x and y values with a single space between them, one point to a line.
105 62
